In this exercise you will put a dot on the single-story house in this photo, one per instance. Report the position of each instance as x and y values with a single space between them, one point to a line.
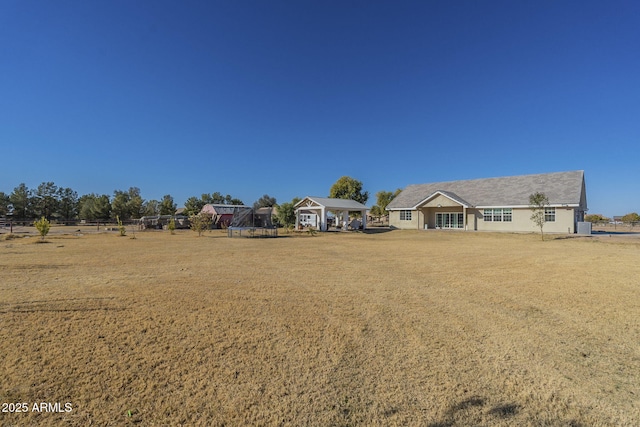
315 210
492 204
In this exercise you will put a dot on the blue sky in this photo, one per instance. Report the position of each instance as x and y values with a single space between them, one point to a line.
284 97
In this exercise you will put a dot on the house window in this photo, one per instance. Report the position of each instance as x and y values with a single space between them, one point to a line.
405 215
498 215
550 214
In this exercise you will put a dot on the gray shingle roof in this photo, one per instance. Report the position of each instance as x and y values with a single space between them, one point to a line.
559 187
334 203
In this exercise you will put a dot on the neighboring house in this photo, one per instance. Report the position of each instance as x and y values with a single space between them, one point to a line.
161 221
492 204
221 214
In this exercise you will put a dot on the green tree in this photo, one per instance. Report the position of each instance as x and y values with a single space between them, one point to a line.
21 202
151 208
46 200
595 218
537 202
67 204
102 208
218 198
383 200
631 218
121 228
5 204
349 188
193 206
265 201
215 198
200 222
92 207
167 206
286 215
127 204
85 207
42 225
120 204
135 204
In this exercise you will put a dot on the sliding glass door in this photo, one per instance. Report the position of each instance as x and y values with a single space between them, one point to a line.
449 220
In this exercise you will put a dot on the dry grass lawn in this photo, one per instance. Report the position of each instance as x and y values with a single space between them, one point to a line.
398 328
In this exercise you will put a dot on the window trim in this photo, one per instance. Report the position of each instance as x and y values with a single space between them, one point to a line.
497 215
549 214
405 215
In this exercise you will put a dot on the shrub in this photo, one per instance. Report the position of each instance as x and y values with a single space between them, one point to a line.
200 222
121 228
172 225
43 226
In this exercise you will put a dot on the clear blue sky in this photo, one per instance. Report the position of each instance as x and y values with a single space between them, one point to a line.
285 97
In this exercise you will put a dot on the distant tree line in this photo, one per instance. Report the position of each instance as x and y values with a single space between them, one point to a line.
64 205
61 204
631 218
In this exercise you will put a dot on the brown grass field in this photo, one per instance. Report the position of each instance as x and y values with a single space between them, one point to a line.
375 329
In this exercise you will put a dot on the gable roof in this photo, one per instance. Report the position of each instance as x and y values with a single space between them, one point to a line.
329 203
449 195
562 188
220 209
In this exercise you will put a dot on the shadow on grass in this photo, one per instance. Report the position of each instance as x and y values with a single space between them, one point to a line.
504 411
62 305
474 403
60 310
377 230
567 237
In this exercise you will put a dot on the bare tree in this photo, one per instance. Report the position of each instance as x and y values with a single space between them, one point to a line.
538 201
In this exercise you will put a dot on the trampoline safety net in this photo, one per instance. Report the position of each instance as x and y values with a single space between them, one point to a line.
251 222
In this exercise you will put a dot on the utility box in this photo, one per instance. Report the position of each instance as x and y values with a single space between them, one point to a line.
584 228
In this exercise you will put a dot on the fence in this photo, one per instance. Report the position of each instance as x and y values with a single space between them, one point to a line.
616 224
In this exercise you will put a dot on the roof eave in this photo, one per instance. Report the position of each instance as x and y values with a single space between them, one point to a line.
552 205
